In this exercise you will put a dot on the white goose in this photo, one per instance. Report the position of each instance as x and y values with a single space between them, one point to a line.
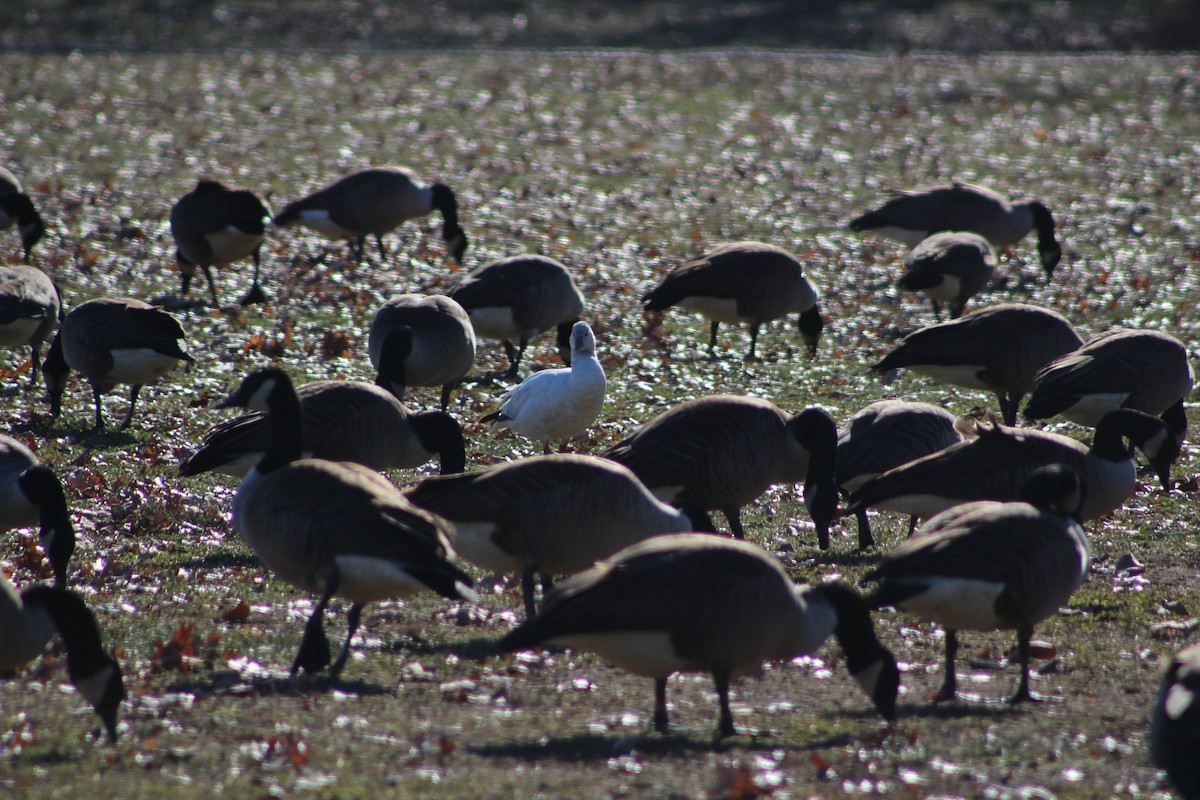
556 403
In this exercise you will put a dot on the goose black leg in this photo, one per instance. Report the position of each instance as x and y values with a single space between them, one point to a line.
660 705
447 390
949 690
712 339
734 515
382 251
865 539
313 655
212 285
912 526
725 725
256 294
513 359
753 342
1023 695
133 396
527 589
353 618
96 398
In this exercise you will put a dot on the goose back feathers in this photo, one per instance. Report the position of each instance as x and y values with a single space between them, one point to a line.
990 565
216 225
421 340
29 310
519 297
910 216
740 282
1000 349
693 602
723 451
113 340
375 202
343 421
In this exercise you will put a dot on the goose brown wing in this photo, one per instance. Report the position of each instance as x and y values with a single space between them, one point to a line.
667 448
992 467
667 583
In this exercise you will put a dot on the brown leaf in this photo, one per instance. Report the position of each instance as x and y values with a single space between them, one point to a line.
238 614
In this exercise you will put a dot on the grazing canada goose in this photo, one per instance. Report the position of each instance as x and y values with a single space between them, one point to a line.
950 267
691 602
518 298
31 494
910 216
1175 724
1120 368
722 452
374 202
215 225
420 340
343 421
996 464
743 282
553 515
992 566
999 349
29 309
113 340
332 527
884 435
27 622
16 208
555 403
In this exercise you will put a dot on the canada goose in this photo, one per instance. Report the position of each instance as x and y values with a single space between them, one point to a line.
31 494
1119 368
950 267
1000 349
518 298
886 434
376 201
215 225
555 403
1175 724
992 565
343 421
333 527
29 309
743 282
27 622
16 208
722 452
553 515
113 340
997 462
419 340
910 216
692 602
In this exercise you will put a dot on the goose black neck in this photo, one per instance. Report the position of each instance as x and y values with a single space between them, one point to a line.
1116 426
75 623
285 420
853 630
446 203
397 347
439 433
1048 246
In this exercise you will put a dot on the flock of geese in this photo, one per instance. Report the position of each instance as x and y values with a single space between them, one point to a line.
649 587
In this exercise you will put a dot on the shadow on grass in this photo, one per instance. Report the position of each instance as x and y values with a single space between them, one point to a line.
229 683
222 560
677 743
477 649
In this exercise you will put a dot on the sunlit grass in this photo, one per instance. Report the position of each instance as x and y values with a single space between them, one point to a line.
621 166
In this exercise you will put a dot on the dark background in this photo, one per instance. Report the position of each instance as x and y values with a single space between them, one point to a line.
966 26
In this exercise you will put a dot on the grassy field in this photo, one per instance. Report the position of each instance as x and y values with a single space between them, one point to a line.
621 166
